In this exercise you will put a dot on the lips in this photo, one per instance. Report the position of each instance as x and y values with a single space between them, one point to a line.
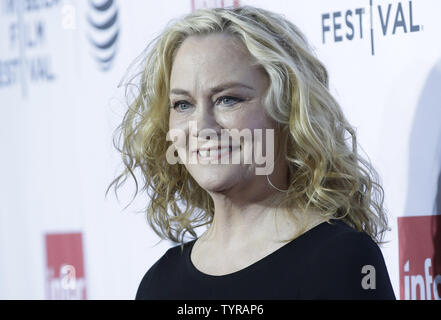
215 152
205 153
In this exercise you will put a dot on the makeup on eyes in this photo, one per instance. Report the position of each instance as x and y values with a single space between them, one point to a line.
235 98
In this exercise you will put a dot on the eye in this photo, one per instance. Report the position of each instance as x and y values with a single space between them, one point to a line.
181 106
228 98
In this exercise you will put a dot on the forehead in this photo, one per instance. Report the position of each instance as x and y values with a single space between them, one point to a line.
213 55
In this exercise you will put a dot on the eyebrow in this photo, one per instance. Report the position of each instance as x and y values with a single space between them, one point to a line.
213 90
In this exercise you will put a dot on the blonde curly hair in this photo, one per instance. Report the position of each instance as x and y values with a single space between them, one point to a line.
325 172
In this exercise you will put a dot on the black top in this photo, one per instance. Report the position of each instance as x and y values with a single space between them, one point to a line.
325 262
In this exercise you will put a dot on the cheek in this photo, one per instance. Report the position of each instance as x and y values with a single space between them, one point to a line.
171 121
177 133
250 116
177 121
263 135
253 120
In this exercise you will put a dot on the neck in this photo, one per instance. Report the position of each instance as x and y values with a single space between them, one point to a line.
246 214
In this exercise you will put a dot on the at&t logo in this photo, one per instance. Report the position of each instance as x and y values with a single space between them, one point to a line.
103 31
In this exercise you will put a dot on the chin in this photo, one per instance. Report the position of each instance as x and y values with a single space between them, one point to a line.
215 179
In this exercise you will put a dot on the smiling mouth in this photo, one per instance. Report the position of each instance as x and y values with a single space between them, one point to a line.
215 153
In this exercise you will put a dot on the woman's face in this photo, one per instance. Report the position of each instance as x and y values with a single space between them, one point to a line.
201 64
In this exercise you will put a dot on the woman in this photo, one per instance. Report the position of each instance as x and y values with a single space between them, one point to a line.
306 226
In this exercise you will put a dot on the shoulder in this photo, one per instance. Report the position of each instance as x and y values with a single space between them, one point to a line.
346 263
342 240
160 272
344 250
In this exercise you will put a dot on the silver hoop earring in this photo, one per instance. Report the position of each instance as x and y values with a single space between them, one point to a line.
267 178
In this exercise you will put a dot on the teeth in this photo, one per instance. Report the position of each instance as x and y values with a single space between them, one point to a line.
212 152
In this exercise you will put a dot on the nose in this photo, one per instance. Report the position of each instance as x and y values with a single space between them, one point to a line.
207 126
